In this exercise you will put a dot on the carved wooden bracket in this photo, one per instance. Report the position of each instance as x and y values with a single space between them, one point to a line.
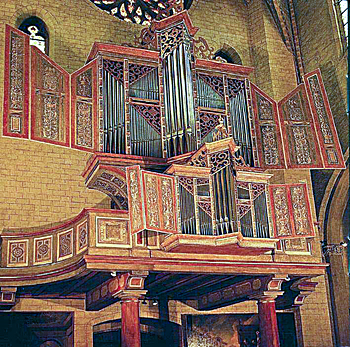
305 287
125 285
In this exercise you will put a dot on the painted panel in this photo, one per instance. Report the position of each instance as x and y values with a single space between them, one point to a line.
290 209
301 144
16 83
269 140
323 118
50 97
84 108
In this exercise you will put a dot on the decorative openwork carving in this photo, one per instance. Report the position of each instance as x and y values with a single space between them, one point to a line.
208 122
138 11
234 87
215 82
187 183
115 68
138 71
170 39
201 48
151 114
219 160
200 159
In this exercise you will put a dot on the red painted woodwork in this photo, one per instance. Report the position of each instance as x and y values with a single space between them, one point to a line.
92 125
177 18
124 51
22 112
334 145
274 122
306 120
238 70
291 211
38 90
131 335
268 323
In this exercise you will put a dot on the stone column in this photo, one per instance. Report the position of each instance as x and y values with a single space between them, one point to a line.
268 322
267 310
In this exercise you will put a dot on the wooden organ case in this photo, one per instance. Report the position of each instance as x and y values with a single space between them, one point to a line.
187 142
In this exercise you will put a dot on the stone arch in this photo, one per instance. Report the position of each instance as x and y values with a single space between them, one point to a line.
50 21
229 54
51 343
333 208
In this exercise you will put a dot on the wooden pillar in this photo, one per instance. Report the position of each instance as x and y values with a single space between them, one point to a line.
131 333
268 323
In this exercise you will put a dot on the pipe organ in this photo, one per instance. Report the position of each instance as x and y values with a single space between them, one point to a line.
194 136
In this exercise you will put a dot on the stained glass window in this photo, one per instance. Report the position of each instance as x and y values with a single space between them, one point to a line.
139 11
37 31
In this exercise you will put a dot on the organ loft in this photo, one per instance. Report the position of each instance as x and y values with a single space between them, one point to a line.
162 192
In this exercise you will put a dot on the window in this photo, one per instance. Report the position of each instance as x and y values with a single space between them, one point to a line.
37 31
228 54
138 11
341 9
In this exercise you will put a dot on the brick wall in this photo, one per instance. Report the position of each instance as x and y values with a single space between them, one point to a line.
42 183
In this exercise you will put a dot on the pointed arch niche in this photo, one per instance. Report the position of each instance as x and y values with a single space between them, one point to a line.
228 54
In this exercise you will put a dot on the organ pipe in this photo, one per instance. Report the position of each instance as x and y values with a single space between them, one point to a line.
225 207
261 219
178 102
187 208
145 141
241 131
113 114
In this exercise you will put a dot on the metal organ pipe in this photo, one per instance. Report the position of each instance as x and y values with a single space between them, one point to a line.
225 214
113 114
241 130
178 102
261 219
187 207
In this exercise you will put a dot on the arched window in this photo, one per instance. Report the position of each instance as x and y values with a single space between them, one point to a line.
228 55
36 29
341 10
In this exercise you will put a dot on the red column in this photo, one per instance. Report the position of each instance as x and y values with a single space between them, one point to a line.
131 336
268 323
